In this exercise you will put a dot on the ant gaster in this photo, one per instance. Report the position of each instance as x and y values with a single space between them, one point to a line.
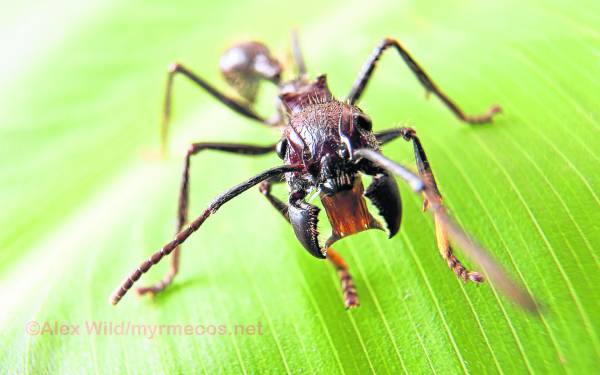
326 146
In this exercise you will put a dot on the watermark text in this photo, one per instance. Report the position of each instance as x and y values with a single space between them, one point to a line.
145 330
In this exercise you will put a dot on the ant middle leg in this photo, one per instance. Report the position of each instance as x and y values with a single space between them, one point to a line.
182 211
348 288
365 75
427 176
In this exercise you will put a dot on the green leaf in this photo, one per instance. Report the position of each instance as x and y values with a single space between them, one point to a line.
82 205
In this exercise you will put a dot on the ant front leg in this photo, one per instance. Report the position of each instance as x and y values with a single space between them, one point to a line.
451 229
186 232
238 106
182 212
427 176
348 288
430 86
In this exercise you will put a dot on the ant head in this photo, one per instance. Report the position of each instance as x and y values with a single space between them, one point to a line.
323 134
246 64
337 167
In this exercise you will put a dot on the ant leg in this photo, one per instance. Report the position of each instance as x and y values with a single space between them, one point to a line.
389 135
182 214
430 86
426 175
194 225
238 106
297 52
450 228
386 136
348 287
278 204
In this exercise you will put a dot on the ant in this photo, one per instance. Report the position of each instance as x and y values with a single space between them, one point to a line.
326 146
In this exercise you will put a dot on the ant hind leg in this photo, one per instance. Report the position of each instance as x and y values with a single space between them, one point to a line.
297 53
238 106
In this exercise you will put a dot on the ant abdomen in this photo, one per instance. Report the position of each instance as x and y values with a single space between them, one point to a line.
246 64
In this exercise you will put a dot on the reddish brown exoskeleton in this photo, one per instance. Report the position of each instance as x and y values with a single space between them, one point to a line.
326 146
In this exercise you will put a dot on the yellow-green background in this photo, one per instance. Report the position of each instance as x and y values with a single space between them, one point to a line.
80 96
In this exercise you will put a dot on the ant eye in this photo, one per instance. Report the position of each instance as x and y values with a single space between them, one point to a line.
306 155
363 122
281 148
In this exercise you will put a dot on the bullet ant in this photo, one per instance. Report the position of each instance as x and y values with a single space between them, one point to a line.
326 146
